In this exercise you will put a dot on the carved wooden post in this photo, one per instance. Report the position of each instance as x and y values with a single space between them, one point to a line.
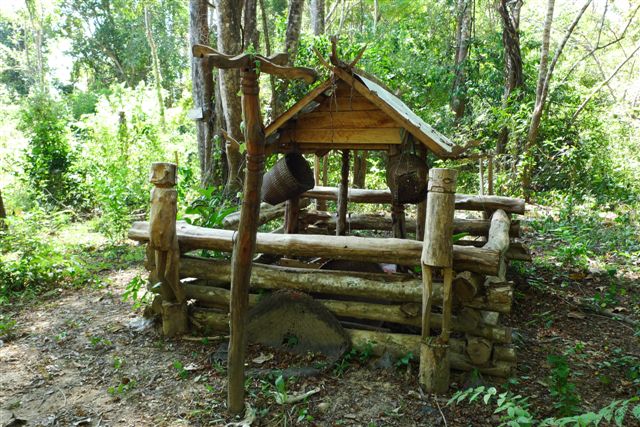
437 251
163 239
343 195
245 243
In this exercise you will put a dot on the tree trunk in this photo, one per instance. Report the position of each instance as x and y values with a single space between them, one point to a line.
463 36
250 36
3 213
544 77
202 90
228 18
156 64
359 168
317 17
291 40
514 78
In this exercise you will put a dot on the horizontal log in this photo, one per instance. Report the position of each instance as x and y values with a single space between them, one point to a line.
463 201
391 251
267 213
386 287
516 251
474 227
398 345
394 313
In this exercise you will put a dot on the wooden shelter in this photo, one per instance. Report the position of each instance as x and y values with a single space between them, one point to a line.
351 111
465 282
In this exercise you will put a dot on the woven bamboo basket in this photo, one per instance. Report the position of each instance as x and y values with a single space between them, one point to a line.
288 178
407 178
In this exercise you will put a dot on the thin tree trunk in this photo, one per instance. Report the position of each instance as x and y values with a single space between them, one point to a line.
603 83
228 18
3 213
359 168
36 24
156 64
463 36
202 91
512 60
544 77
250 36
317 17
291 41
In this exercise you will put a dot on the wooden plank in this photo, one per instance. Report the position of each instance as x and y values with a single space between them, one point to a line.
296 108
345 120
423 132
345 90
322 148
342 136
346 103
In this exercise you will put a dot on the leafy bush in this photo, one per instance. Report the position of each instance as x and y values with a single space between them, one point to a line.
48 159
516 410
29 263
561 389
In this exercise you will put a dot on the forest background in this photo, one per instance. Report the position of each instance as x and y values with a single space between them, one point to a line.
93 91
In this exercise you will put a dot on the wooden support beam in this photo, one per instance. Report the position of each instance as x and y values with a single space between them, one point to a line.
392 251
292 214
463 201
341 225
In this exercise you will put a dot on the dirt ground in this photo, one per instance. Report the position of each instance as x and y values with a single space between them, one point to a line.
86 358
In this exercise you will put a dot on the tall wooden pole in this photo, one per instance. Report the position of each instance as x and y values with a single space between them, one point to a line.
341 225
245 243
437 252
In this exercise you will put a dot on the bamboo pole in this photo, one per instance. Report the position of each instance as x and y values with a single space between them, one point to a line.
437 251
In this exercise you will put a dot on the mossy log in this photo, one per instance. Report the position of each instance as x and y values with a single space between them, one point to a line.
393 251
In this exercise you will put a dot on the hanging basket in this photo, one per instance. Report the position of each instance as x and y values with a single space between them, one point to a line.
407 178
288 178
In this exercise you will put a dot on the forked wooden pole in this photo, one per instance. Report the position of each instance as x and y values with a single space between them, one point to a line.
437 252
245 243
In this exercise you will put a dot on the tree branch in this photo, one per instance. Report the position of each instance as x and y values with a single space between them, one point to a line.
604 82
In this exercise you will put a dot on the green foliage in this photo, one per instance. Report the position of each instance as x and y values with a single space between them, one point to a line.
566 399
123 387
132 292
49 157
405 360
516 410
180 369
29 262
210 207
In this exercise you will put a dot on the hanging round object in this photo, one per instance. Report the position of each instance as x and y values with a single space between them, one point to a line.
288 178
407 178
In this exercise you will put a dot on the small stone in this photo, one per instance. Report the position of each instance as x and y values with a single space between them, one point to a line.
323 406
